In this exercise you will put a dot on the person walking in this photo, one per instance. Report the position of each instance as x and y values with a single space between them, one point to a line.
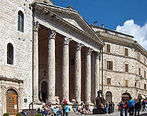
131 107
126 108
143 105
121 108
137 107
66 107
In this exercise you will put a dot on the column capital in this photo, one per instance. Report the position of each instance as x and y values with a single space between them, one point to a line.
36 26
79 46
53 34
89 51
97 55
67 40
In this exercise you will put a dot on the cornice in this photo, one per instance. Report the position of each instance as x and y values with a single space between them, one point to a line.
10 79
122 41
123 87
47 11
141 78
125 57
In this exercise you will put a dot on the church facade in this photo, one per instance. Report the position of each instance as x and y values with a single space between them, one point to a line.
49 53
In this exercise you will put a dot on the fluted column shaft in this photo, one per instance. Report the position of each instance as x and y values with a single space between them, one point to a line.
65 67
96 74
51 67
36 63
88 77
78 73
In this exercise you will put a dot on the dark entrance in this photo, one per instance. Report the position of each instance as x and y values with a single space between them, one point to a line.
44 91
108 96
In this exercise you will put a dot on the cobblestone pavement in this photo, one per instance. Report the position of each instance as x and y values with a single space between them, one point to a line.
116 113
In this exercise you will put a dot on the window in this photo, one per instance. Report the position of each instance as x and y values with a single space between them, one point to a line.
144 86
139 71
138 56
108 81
108 47
144 74
144 60
20 21
126 52
139 84
109 65
9 53
126 67
127 83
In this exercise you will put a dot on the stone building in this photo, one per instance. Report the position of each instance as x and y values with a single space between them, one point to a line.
49 53
46 52
124 65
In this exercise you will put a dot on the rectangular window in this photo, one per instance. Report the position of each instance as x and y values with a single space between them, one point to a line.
139 84
144 74
144 86
139 71
126 52
126 68
109 65
127 83
144 60
108 81
108 47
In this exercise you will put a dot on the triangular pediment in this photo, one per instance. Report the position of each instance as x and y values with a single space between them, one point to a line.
73 18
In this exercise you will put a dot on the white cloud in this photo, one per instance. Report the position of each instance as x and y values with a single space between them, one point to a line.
139 33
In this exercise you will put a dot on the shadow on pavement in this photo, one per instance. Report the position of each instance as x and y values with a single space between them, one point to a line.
144 114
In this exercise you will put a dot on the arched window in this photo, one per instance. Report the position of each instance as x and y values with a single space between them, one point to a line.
20 21
10 53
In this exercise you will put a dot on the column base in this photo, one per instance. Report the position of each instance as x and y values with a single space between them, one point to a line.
89 103
38 102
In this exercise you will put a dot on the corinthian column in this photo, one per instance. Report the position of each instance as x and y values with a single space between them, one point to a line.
36 64
96 74
88 77
51 67
78 73
65 67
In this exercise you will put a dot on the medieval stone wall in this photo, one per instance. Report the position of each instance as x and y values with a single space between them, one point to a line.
118 76
22 43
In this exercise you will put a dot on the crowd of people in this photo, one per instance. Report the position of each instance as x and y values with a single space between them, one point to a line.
132 107
64 109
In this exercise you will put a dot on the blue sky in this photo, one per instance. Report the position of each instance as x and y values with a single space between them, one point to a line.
109 12
127 16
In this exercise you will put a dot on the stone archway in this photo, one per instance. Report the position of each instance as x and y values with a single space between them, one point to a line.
10 101
44 94
108 96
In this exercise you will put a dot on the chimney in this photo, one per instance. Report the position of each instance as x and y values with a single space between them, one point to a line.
95 23
102 25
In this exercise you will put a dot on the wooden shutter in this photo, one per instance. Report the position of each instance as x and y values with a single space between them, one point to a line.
126 52
126 67
108 47
111 65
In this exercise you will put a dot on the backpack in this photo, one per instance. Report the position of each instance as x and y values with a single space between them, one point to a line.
131 103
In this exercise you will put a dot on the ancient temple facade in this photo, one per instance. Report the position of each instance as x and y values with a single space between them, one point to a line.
47 54
50 53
